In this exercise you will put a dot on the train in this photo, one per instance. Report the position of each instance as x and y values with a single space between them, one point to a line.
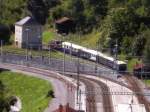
92 55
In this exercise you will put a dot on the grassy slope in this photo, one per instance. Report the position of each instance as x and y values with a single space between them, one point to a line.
31 90
13 49
89 40
48 36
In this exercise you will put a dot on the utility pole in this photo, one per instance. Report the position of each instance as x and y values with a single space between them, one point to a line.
64 56
78 73
1 48
49 54
116 56
96 61
71 51
27 43
142 68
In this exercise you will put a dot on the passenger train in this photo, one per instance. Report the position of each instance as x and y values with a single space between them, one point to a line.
93 55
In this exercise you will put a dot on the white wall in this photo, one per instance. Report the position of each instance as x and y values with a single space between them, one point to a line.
18 34
34 35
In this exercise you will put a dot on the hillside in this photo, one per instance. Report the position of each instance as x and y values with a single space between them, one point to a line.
100 22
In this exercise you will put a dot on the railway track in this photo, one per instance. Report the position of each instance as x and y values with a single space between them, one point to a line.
97 97
136 88
107 100
63 100
93 86
90 98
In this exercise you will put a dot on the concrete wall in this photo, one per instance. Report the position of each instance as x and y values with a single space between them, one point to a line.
31 37
18 36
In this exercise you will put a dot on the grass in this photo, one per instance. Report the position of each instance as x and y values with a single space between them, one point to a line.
147 82
89 40
131 64
32 91
48 36
13 49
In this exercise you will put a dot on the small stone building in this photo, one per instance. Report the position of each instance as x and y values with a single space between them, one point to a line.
28 33
64 25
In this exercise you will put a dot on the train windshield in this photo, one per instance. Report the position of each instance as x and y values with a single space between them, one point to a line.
122 67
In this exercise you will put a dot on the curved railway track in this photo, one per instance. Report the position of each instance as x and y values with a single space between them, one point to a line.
93 98
98 98
94 87
90 98
136 88
107 100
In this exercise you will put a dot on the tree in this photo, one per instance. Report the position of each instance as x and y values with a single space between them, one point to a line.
100 7
39 10
147 49
127 45
119 23
12 11
95 11
4 33
76 8
138 45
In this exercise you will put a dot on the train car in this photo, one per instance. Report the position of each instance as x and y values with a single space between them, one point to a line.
71 48
56 44
93 55
106 60
113 63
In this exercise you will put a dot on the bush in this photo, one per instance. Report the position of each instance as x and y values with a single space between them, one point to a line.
50 94
4 33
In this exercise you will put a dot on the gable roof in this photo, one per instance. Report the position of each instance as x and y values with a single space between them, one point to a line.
64 19
26 20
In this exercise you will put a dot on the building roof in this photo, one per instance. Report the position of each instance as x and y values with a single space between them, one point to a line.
64 19
26 20
138 66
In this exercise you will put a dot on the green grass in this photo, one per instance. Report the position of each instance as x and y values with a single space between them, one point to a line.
13 49
48 36
147 82
32 91
89 40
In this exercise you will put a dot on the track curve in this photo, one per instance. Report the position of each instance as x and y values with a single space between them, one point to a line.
134 85
97 97
60 98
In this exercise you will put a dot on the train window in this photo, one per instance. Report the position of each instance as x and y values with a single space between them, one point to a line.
93 55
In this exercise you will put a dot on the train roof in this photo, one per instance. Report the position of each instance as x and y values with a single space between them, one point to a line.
103 55
92 52
72 45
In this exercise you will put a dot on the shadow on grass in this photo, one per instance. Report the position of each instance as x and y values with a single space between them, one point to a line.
3 70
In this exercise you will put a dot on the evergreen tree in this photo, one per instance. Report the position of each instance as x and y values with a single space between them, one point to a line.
39 10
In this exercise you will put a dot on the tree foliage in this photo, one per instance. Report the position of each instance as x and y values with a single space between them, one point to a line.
39 10
127 21
11 11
